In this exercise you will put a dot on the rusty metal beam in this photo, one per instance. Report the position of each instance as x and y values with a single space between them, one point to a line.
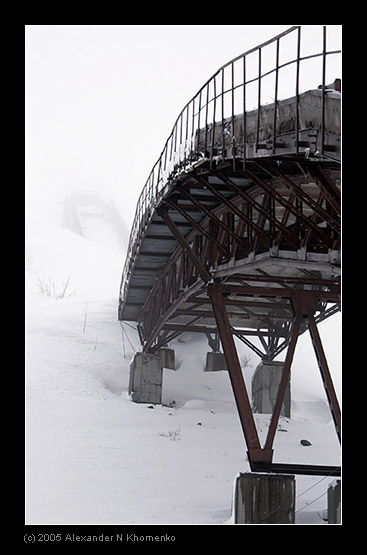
250 200
326 185
303 197
184 244
215 218
233 207
150 336
212 328
265 277
304 304
238 384
246 315
243 303
283 382
325 374
300 469
285 203
281 292
197 226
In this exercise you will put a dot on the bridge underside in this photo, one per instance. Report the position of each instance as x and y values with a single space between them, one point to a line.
263 232
252 253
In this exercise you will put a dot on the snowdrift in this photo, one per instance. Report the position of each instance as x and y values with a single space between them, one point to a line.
95 457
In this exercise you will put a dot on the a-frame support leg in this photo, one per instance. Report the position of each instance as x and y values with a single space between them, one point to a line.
255 453
260 459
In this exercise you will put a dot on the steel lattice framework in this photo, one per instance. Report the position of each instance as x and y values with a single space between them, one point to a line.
237 231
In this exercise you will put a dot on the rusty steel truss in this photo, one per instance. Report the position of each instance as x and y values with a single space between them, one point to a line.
237 234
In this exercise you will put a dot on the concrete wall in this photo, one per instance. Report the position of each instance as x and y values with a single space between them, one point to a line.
310 120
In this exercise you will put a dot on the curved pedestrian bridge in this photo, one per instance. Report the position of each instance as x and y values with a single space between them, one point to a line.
237 229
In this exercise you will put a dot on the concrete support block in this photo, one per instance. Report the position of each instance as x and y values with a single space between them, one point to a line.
265 385
167 358
215 362
146 376
264 499
334 503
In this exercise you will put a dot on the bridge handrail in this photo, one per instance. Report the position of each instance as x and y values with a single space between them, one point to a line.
185 146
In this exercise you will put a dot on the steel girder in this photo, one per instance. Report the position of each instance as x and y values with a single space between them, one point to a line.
271 234
259 262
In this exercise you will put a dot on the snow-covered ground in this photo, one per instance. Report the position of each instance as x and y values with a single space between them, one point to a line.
95 457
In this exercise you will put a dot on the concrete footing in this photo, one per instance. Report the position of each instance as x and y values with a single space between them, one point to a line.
146 376
265 385
334 502
215 362
264 499
167 358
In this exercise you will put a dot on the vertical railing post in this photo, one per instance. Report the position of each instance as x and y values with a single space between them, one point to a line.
192 129
158 178
181 125
186 134
175 147
244 114
323 88
223 149
232 119
198 126
206 120
165 156
297 87
276 96
213 128
171 150
258 102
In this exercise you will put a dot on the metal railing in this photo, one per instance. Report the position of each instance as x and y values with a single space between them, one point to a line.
280 68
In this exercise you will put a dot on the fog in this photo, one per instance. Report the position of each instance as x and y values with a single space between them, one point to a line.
101 101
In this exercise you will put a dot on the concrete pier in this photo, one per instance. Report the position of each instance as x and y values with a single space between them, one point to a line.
167 358
265 385
146 376
334 502
264 499
215 362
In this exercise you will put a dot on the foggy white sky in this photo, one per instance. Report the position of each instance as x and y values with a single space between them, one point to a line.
101 100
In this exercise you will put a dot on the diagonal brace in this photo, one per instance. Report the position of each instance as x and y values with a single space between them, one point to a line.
325 375
283 382
184 244
234 368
